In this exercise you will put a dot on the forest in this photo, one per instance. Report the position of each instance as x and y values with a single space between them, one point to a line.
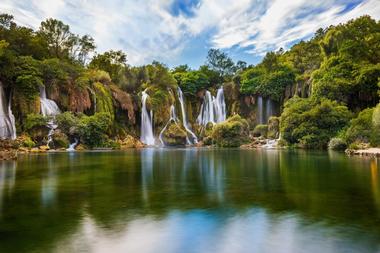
57 91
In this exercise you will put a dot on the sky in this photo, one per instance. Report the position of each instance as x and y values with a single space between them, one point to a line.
182 31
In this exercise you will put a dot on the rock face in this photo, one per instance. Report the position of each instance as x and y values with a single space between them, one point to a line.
174 135
231 133
60 140
273 128
130 142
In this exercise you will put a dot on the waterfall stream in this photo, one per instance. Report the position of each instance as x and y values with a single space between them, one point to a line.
212 109
73 145
147 136
7 120
184 119
173 117
49 108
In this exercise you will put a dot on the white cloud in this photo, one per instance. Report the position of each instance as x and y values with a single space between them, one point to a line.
147 30
285 22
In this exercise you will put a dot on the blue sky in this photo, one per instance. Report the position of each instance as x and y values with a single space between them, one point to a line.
181 31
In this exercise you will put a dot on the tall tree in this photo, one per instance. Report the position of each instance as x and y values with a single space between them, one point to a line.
220 62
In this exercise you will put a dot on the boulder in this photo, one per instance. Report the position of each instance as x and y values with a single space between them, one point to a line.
174 135
232 133
273 128
59 140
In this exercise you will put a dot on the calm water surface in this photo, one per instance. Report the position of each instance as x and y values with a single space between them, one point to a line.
190 200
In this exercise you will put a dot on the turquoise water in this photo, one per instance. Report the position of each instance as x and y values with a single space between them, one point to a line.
190 200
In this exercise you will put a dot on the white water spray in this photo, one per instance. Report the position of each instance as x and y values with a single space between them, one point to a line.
49 108
173 117
184 119
73 145
147 136
213 109
7 119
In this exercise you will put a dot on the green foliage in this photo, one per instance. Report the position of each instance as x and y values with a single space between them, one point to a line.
35 121
93 129
360 128
103 99
28 77
67 122
191 82
273 127
337 144
220 62
269 78
231 133
113 62
312 123
375 136
260 130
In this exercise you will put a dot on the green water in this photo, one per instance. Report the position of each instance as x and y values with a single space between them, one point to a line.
190 200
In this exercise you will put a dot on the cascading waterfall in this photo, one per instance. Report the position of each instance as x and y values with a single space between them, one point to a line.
147 136
184 119
213 109
220 106
260 110
73 145
7 120
49 108
269 109
173 117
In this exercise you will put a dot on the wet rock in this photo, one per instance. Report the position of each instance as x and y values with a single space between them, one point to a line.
174 135
8 154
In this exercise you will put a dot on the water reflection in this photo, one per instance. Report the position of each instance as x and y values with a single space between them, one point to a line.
190 200
7 179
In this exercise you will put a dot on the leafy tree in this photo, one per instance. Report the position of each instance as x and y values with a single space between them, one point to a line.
220 62
312 123
193 81
114 62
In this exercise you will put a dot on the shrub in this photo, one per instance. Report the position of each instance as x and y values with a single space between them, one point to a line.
231 133
67 122
273 127
337 144
375 136
312 123
93 129
35 121
260 130
360 128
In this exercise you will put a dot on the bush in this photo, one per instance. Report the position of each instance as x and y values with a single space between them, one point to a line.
360 128
67 122
231 133
273 127
260 130
375 136
93 129
312 123
337 144
33 121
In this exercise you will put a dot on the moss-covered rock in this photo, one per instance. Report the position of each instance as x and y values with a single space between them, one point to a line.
60 140
174 135
260 130
337 144
273 127
36 126
130 142
231 133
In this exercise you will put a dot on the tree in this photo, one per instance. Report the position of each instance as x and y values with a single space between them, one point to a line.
193 81
58 36
220 62
111 61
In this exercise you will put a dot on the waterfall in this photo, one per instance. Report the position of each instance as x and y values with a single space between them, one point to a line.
49 108
146 122
7 120
173 117
73 145
269 109
220 106
212 109
184 119
260 110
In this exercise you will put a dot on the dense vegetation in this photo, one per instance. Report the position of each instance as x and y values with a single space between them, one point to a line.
325 87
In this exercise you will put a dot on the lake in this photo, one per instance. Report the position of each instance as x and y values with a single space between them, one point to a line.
190 200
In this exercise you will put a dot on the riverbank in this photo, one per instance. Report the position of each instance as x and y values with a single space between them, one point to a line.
374 152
